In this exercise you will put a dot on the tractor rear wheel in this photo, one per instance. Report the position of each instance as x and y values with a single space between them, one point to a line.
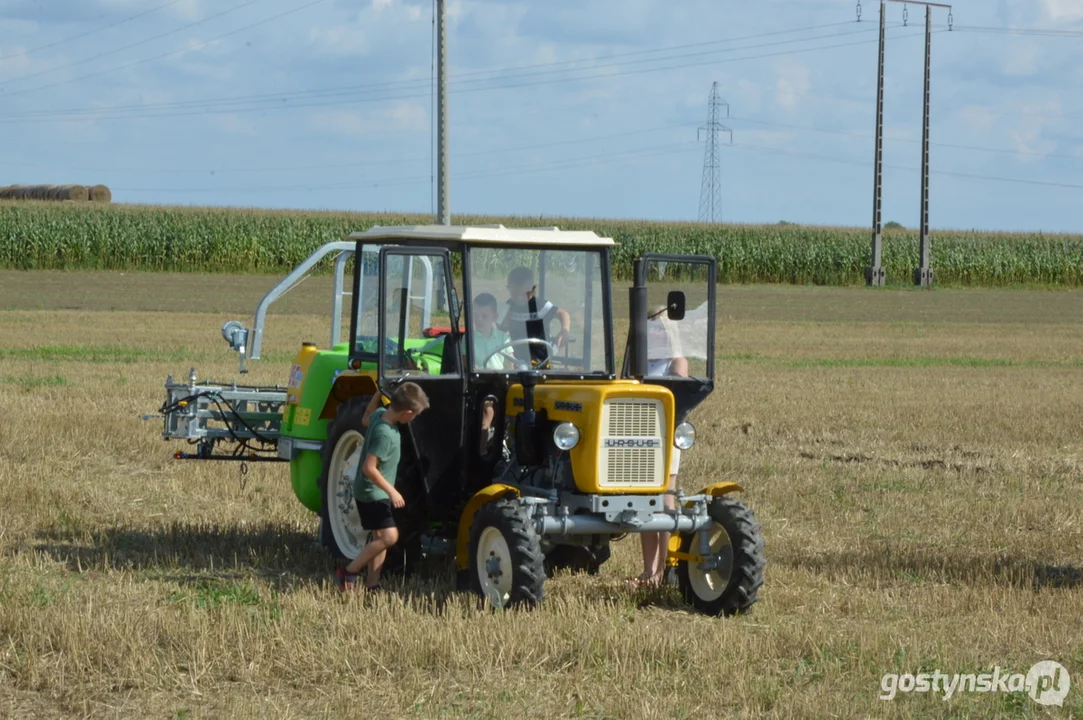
507 565
340 528
734 573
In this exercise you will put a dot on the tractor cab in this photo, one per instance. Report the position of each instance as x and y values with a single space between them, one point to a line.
559 406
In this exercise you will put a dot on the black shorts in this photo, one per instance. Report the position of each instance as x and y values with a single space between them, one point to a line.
376 515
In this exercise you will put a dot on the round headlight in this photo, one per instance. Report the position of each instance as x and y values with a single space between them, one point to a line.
566 436
684 436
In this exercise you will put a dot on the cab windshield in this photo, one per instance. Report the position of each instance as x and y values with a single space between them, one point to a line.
542 309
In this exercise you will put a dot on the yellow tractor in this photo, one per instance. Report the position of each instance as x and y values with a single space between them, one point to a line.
544 440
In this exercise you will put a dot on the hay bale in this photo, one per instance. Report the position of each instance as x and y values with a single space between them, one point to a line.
100 193
76 193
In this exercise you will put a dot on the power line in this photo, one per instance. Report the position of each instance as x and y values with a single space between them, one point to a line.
189 48
844 161
403 85
365 163
223 108
570 163
557 63
81 35
1033 32
107 53
633 154
976 148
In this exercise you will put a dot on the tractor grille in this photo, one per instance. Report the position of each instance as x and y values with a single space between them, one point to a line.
635 418
630 466
633 448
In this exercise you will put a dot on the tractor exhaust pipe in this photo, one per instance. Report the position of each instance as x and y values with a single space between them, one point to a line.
637 329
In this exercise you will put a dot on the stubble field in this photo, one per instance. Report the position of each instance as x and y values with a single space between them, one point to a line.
915 458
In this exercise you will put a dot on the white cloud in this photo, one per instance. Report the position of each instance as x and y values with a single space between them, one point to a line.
1063 10
1030 144
792 83
383 24
196 46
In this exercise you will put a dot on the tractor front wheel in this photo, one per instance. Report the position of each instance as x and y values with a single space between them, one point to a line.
730 575
507 564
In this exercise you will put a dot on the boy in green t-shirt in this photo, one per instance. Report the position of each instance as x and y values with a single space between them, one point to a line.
374 486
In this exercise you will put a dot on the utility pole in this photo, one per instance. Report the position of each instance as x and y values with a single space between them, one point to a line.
444 217
923 275
874 274
710 193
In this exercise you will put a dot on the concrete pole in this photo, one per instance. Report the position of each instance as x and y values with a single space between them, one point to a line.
874 275
923 275
444 217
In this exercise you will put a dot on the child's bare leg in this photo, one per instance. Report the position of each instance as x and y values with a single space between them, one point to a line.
377 545
656 545
658 567
387 538
372 577
649 542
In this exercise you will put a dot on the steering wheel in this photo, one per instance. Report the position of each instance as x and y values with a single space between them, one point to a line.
519 363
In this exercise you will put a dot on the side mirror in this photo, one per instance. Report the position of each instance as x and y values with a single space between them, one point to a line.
675 305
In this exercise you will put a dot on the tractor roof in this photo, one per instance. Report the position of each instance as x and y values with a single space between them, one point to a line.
482 235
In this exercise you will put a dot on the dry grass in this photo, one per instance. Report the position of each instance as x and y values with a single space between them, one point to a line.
918 484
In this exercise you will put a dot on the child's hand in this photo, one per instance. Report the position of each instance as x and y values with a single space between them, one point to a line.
396 498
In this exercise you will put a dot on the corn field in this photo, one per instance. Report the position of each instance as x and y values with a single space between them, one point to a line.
174 239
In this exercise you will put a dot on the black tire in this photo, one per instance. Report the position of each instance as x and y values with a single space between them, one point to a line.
527 585
746 560
348 418
576 559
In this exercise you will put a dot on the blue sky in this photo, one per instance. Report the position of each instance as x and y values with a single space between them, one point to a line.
558 107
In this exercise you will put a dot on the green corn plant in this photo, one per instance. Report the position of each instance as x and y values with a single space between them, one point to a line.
42 235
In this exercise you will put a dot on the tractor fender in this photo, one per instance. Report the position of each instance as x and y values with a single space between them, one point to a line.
716 490
347 385
722 488
481 497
